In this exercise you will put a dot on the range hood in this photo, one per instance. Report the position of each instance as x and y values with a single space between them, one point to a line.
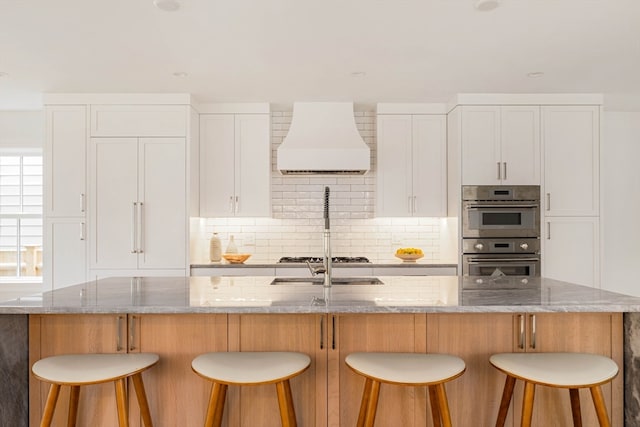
323 139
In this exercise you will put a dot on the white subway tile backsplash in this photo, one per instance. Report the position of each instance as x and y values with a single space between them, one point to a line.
296 228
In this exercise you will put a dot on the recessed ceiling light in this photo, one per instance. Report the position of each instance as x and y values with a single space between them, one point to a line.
487 5
180 74
535 74
358 74
167 5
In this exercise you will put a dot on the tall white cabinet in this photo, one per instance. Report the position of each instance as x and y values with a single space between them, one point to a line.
235 165
116 186
411 166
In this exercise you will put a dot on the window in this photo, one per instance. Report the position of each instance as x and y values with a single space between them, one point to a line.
20 215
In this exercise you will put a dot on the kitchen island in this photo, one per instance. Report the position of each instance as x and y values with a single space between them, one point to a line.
472 317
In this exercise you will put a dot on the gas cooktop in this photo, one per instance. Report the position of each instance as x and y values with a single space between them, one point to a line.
319 260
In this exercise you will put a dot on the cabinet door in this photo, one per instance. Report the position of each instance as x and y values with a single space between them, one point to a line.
481 160
65 160
520 145
162 192
597 333
65 253
258 406
395 164
570 250
114 164
398 405
474 338
177 396
571 160
217 165
252 165
51 335
429 165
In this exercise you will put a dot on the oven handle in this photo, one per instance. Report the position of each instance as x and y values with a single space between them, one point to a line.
477 207
484 260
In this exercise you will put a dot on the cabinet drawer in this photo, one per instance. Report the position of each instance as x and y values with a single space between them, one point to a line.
138 120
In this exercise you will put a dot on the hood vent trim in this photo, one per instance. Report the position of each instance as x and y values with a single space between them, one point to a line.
323 140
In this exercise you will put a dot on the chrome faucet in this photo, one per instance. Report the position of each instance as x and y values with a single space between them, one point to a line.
326 244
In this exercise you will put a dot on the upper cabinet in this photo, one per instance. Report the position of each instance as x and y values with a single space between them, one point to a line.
571 147
500 145
138 120
412 158
65 160
235 165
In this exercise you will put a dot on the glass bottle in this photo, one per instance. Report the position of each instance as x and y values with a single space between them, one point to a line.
231 246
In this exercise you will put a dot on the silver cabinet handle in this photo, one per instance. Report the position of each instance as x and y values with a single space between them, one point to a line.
333 332
132 333
521 340
321 332
415 204
532 318
505 170
82 231
140 227
82 203
499 175
237 205
230 204
548 231
548 201
119 334
134 226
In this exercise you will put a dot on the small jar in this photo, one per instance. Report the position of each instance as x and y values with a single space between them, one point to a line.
215 248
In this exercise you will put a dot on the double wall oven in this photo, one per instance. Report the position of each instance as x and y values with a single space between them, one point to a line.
501 230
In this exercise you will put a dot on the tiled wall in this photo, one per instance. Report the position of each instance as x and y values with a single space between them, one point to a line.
296 227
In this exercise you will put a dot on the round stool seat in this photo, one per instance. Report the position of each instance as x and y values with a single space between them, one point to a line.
568 370
406 368
246 368
79 369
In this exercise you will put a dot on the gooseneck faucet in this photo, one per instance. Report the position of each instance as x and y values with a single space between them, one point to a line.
327 241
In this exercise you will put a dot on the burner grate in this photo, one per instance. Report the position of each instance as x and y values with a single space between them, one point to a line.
318 260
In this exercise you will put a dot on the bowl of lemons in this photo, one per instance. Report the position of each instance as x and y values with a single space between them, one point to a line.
409 254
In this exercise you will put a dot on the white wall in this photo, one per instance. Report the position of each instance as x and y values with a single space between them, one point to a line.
620 181
21 129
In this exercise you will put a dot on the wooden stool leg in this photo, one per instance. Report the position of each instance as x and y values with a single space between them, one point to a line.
574 394
216 405
507 393
435 406
285 402
365 402
601 409
74 397
527 404
444 405
372 405
121 399
50 406
138 386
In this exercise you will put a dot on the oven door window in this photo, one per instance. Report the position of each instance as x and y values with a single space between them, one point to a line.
501 218
507 269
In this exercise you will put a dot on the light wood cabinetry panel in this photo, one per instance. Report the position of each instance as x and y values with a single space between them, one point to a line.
398 405
255 406
51 335
473 337
177 396
412 157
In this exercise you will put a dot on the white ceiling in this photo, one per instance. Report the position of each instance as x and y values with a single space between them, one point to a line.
281 51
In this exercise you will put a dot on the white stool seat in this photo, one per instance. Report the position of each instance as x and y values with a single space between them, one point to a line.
406 368
250 367
569 370
79 369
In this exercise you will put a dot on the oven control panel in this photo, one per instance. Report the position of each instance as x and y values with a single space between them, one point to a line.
504 246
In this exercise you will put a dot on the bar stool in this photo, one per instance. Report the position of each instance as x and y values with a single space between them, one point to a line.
76 370
411 369
572 371
250 368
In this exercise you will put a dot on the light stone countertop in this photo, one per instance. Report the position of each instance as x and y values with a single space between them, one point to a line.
402 294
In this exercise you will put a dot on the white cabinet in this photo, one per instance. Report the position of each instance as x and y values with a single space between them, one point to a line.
500 145
412 158
65 160
139 120
571 147
235 165
570 249
65 259
138 204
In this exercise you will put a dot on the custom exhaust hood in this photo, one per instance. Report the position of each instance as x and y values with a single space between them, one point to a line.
323 139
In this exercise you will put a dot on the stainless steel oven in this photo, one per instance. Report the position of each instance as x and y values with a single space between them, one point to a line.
501 231
500 211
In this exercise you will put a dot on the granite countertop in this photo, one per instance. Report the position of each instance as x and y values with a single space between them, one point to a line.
406 294
374 264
